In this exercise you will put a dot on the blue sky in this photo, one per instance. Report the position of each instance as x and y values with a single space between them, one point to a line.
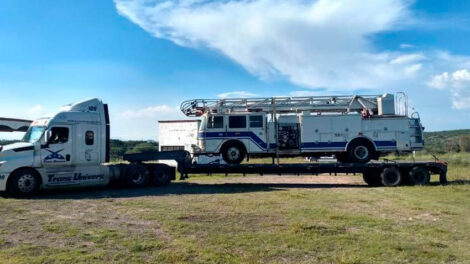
145 57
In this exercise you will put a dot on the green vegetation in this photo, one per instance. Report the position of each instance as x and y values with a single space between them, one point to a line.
447 141
118 147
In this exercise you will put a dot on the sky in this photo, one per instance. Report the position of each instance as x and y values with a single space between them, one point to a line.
144 57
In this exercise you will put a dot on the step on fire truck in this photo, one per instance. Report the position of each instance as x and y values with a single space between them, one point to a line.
355 128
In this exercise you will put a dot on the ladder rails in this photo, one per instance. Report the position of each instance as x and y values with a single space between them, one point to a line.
337 104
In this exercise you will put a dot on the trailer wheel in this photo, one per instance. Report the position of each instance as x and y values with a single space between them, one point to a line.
160 175
360 151
136 176
372 178
233 152
419 176
391 177
23 182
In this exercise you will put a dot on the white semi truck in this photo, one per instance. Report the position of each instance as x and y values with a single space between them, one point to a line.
71 149
354 128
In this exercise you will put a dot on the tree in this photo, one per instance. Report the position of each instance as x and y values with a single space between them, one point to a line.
465 143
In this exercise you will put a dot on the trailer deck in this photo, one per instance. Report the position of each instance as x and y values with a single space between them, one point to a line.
374 170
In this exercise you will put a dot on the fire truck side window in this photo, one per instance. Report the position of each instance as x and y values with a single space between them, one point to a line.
59 135
256 121
215 122
237 122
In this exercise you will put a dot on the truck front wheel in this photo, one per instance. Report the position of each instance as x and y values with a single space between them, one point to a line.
233 153
23 182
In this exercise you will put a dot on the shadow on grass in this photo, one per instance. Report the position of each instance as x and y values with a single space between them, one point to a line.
187 188
180 188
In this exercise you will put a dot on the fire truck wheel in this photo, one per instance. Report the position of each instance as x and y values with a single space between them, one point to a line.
372 178
23 182
136 176
391 177
419 176
360 151
233 152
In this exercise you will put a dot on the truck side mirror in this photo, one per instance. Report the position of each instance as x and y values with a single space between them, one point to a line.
48 135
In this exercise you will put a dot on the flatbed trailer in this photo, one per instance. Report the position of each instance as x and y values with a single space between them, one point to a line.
387 172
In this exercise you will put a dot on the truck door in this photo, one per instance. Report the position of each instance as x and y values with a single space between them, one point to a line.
257 124
56 157
58 149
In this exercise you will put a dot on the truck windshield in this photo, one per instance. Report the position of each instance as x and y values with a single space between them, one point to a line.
33 134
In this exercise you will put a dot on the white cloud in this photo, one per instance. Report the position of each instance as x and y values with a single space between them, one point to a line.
312 43
408 58
322 43
35 109
143 123
236 94
459 85
304 93
406 46
150 111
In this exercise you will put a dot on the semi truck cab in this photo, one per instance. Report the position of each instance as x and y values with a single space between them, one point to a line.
65 150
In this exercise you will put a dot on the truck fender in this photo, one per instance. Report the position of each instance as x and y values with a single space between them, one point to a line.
361 138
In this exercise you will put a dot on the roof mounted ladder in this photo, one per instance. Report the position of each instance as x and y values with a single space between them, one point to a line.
335 104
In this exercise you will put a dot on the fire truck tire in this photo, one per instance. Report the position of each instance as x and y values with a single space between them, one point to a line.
419 176
391 177
233 152
360 151
136 176
23 182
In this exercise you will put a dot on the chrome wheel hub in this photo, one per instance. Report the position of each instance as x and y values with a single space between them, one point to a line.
361 152
233 153
26 183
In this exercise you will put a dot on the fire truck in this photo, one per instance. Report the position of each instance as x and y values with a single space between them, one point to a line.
356 129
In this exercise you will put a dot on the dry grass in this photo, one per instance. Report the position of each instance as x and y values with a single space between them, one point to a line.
241 220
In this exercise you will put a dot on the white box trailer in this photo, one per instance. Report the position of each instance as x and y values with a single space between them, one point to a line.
178 135
175 135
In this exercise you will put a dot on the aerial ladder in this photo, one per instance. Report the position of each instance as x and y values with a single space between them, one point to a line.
367 104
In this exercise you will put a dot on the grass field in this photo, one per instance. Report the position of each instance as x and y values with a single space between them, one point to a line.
267 219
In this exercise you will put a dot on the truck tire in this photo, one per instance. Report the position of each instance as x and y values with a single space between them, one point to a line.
23 183
161 175
372 178
360 151
233 152
391 177
136 176
419 176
